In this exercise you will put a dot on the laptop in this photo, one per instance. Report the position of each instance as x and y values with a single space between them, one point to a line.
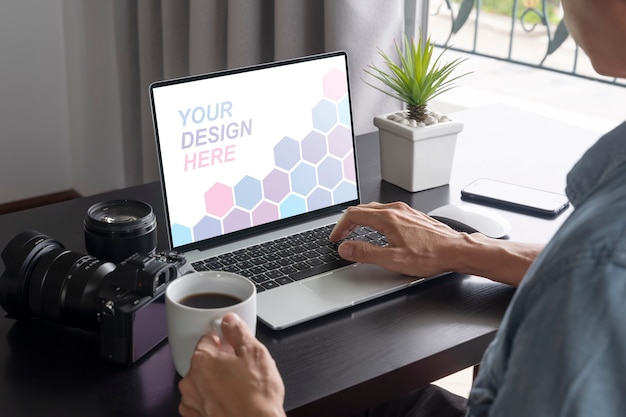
253 157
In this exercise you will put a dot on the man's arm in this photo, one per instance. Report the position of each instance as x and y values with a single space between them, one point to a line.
422 246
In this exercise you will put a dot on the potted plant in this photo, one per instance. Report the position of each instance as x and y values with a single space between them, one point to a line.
416 145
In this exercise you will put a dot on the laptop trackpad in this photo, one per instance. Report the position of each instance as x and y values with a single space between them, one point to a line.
357 283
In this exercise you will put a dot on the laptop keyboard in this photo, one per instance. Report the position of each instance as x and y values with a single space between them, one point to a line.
288 259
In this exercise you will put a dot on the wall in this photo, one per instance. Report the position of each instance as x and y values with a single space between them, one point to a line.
34 139
48 142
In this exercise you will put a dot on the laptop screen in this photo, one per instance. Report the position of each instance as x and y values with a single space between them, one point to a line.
254 146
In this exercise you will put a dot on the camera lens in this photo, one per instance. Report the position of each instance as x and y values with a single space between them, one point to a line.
44 280
19 257
116 229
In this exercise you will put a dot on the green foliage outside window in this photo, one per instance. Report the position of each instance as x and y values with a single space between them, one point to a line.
505 7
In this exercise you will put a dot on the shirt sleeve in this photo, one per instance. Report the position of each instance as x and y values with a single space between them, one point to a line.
561 350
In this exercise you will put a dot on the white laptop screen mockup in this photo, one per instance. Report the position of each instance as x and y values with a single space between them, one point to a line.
254 146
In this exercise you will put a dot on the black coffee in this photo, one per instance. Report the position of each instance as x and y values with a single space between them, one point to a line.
210 300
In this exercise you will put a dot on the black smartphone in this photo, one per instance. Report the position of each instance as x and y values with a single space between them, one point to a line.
515 198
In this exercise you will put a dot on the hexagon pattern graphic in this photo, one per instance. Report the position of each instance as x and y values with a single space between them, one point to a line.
309 173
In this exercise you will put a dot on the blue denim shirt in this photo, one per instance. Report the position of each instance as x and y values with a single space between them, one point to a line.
561 348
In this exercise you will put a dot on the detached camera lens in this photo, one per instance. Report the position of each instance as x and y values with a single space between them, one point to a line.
116 229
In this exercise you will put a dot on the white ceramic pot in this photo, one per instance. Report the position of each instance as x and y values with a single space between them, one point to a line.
416 158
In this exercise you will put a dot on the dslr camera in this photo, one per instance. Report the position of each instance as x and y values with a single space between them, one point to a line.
124 302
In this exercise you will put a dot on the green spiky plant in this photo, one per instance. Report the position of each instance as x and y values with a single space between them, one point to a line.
416 80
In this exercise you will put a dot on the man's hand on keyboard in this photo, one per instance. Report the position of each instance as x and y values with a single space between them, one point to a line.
421 246
418 245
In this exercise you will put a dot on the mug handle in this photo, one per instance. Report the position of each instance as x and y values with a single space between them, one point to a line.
216 327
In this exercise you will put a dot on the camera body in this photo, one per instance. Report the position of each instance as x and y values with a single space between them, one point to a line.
124 302
132 320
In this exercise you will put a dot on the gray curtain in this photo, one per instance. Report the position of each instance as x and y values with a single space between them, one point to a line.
116 48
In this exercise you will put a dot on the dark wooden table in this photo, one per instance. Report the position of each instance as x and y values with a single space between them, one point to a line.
332 366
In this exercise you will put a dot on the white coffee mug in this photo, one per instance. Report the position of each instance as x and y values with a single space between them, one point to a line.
187 324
